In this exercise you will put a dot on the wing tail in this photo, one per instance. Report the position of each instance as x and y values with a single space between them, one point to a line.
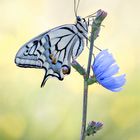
44 80
51 73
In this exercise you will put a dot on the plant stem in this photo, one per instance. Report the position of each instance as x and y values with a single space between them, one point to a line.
85 97
94 34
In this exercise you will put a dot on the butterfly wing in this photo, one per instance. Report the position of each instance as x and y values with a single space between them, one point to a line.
52 51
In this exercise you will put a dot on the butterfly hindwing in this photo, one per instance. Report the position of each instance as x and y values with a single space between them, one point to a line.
52 51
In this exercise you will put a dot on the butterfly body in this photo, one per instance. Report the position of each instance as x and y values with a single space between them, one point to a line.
54 49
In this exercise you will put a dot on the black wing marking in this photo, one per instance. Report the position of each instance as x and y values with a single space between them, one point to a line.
52 51
78 48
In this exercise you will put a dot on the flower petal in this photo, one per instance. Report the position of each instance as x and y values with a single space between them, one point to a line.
110 71
102 53
104 69
100 57
104 65
113 82
116 89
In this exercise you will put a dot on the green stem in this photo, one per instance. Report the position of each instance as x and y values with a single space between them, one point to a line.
85 97
94 34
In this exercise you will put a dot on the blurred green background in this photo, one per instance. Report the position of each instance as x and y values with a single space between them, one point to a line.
28 112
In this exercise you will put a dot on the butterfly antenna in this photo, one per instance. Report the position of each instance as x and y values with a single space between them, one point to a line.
77 6
75 12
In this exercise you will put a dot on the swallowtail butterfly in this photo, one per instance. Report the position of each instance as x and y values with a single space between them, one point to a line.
55 49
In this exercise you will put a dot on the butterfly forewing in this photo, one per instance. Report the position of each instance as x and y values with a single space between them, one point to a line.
52 51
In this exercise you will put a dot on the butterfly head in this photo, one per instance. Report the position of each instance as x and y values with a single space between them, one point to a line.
78 18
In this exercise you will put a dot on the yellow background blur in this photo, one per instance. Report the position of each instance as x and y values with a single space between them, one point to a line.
28 112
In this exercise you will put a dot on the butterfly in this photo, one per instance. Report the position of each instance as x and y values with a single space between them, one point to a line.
55 49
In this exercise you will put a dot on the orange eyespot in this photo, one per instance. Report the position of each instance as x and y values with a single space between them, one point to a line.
65 70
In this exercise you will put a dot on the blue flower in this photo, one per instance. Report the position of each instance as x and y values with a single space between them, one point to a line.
104 68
